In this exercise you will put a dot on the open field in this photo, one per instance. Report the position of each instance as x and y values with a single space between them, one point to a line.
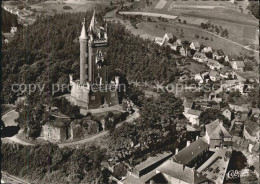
76 5
242 27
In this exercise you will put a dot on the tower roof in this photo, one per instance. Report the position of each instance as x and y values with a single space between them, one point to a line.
83 34
92 22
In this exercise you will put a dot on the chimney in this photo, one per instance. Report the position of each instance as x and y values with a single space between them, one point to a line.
176 150
188 143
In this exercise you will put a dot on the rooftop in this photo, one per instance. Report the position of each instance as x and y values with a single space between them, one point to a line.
216 130
152 160
213 73
194 112
240 64
180 172
189 153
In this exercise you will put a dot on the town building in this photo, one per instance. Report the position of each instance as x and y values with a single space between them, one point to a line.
238 65
227 113
200 57
214 75
150 164
95 88
174 173
193 116
218 54
217 136
251 131
214 65
201 77
195 45
55 131
206 50
192 154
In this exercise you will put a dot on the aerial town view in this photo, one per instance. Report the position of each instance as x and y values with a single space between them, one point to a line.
130 92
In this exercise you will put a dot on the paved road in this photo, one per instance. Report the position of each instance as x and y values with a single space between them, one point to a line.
150 14
130 119
13 179
9 118
227 20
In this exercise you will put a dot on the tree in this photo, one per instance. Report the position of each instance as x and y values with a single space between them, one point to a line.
210 115
120 170
224 33
253 7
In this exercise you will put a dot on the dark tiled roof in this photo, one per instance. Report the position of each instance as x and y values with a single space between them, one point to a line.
220 52
216 130
256 147
180 172
194 112
251 127
240 64
152 160
189 153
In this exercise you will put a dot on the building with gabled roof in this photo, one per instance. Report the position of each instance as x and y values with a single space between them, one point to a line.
217 136
188 156
218 54
193 116
177 173
200 57
238 65
150 163
214 65
214 75
251 131
195 45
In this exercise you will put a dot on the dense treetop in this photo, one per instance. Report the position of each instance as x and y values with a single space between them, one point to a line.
47 51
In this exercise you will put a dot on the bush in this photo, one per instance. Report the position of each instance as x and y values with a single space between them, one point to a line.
67 7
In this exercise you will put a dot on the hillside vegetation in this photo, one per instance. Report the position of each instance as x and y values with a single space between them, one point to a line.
47 51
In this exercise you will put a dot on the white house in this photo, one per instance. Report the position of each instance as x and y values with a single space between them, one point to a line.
227 113
167 37
195 45
159 40
218 54
200 77
183 51
207 50
214 65
217 136
193 116
238 65
214 75
231 57
200 57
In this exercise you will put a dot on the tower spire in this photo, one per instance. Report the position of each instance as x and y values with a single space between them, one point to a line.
83 34
92 22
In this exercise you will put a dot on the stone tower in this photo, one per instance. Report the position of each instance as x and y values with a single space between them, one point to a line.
94 89
97 44
83 40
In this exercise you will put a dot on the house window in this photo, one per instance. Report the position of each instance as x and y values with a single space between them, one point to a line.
113 94
93 97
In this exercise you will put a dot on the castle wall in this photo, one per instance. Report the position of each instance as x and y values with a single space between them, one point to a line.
79 94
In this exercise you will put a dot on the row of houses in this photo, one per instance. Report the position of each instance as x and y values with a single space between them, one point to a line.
185 165
202 54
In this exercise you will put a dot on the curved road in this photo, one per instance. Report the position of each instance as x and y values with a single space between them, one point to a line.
130 119
159 15
15 139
